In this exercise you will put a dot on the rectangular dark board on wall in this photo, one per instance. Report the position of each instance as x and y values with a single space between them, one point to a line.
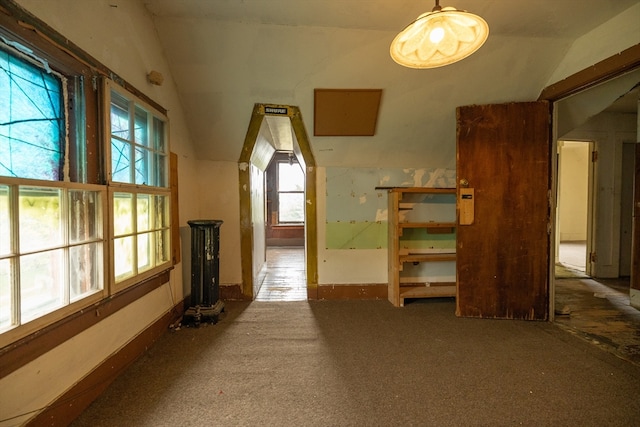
346 112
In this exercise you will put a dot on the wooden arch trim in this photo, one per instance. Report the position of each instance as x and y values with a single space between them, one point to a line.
303 148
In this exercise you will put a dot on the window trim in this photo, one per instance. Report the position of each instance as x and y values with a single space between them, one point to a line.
117 187
140 276
31 326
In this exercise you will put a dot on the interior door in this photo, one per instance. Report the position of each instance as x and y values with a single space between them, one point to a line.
503 166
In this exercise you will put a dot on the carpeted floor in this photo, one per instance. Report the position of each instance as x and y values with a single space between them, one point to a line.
366 363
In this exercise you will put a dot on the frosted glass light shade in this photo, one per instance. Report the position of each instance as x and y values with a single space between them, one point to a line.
440 37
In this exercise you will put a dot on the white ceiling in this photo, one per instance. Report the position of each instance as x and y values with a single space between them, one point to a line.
227 55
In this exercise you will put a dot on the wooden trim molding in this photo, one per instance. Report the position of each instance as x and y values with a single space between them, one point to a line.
72 403
360 292
604 70
29 348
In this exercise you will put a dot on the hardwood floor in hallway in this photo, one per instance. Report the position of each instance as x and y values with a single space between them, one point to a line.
285 277
595 309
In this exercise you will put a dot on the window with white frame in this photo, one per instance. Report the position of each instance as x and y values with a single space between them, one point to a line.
290 183
51 229
139 194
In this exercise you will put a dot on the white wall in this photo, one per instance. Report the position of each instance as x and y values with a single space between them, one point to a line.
602 42
123 38
574 187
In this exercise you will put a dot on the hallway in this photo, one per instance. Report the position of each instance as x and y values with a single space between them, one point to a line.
284 277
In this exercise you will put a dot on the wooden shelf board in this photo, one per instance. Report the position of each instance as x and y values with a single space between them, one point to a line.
427 224
441 290
427 257
427 190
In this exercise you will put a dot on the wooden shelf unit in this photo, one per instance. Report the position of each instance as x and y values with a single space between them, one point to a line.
409 210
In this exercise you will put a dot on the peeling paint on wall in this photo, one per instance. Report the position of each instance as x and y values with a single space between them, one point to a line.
357 212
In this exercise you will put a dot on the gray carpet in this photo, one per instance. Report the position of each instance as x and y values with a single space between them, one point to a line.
367 363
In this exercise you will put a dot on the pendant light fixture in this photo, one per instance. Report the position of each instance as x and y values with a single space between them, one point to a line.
440 37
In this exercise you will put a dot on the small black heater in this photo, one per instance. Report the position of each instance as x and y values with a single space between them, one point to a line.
205 272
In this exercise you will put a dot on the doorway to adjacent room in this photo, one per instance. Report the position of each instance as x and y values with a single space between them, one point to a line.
574 207
283 277
277 130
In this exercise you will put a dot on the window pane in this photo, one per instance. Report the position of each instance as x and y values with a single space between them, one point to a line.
123 254
6 295
291 207
141 127
145 260
85 270
120 161
31 120
5 221
142 166
144 212
40 225
122 213
290 177
161 212
120 116
85 215
158 134
41 284
162 246
160 165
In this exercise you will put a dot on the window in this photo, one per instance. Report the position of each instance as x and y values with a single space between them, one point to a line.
290 193
78 223
51 229
139 187
31 119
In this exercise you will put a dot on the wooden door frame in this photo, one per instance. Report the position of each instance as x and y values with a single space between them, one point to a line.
603 71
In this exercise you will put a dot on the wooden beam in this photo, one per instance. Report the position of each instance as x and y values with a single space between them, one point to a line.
604 70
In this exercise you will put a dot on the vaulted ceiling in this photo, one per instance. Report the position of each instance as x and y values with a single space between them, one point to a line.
227 55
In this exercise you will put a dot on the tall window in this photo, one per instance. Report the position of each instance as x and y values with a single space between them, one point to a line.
290 193
51 230
77 224
139 187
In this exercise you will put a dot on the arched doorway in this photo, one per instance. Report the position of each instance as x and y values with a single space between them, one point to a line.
261 142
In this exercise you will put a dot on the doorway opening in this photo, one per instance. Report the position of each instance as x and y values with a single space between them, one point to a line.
574 208
277 133
283 277
597 303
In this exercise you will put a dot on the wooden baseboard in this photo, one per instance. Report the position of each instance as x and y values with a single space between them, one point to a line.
377 291
72 403
232 293
374 291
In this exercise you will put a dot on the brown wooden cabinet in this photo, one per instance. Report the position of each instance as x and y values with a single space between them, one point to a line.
422 243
